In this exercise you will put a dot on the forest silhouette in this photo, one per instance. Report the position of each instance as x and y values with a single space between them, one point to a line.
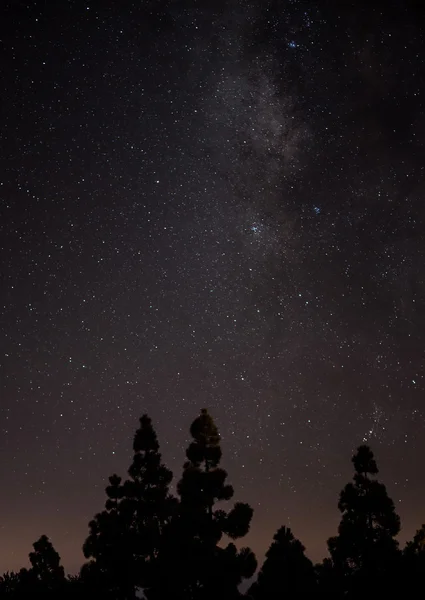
149 543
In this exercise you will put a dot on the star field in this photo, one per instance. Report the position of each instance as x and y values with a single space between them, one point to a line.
217 207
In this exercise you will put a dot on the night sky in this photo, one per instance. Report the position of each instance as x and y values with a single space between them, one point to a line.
210 207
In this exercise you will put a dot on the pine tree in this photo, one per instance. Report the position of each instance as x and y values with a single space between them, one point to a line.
365 550
286 571
146 494
46 569
108 545
417 545
124 539
198 568
45 579
414 563
45 562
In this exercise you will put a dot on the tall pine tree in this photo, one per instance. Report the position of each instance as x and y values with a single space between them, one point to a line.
45 563
198 567
365 552
124 539
111 569
45 579
286 571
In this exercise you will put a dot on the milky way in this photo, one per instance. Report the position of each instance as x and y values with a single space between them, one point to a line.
219 208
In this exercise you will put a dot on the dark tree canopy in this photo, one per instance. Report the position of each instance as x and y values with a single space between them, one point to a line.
417 545
45 563
181 548
44 579
201 569
124 539
286 571
414 563
109 547
10 585
365 547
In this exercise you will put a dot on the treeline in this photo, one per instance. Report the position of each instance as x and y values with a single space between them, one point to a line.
147 542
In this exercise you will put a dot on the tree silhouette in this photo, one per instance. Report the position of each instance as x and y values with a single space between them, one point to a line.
147 503
364 551
10 586
176 548
286 571
124 539
45 564
198 568
414 563
45 579
108 545
330 580
417 545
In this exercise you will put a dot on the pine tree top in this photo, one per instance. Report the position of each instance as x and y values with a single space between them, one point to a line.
364 461
205 447
145 438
